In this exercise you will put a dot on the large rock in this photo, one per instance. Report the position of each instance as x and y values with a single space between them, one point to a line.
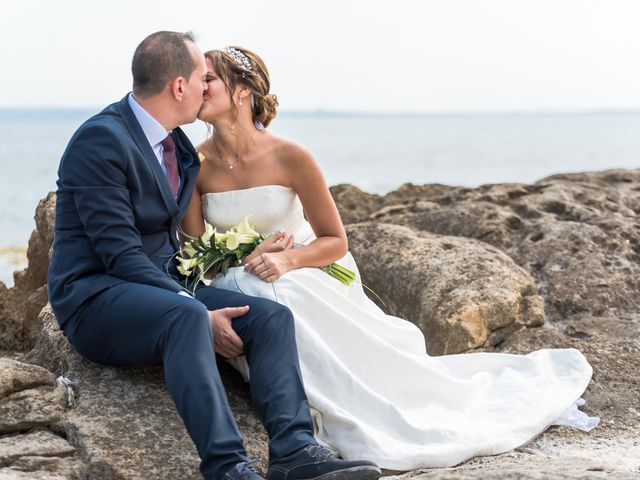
461 293
35 407
12 319
39 251
18 313
125 425
357 206
578 235
32 408
353 204
16 376
28 397
20 305
38 467
38 443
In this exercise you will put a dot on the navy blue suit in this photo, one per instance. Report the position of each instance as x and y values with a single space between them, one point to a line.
115 234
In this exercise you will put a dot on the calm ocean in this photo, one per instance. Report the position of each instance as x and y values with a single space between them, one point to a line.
375 152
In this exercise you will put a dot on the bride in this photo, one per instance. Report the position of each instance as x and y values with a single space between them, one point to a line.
374 392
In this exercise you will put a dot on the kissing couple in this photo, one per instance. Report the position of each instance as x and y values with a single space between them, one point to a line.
341 388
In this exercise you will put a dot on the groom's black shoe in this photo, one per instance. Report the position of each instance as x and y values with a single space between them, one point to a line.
243 471
318 463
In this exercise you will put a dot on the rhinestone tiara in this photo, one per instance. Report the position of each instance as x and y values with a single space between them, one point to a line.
239 57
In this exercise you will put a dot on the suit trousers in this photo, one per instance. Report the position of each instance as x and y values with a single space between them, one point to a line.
135 324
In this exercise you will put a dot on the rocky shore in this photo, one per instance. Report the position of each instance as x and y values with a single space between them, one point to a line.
508 268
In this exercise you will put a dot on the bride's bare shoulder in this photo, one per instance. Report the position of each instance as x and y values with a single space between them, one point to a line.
291 154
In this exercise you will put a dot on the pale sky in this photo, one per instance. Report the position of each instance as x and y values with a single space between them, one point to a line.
391 56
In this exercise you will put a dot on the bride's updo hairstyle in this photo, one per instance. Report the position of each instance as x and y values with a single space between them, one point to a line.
236 65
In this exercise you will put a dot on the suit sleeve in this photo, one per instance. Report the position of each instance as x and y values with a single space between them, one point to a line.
94 171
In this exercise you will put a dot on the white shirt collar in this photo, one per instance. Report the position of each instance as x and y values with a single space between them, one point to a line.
153 130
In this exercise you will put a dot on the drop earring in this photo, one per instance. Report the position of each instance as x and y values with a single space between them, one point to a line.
240 101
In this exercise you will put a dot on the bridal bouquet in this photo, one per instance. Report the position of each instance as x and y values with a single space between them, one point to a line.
215 252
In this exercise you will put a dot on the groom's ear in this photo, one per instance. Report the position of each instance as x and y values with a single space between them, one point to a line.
177 86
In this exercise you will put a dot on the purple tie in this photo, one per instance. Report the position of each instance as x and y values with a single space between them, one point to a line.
171 164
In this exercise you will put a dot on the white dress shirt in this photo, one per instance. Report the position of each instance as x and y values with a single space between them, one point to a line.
155 133
153 130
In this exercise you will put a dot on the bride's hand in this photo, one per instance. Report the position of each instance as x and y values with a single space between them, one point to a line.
269 266
277 242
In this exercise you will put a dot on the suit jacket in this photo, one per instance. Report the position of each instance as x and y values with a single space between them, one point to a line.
116 217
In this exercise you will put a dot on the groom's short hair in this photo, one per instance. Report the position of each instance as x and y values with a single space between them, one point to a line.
160 58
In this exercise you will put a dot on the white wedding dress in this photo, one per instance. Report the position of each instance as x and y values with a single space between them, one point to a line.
374 392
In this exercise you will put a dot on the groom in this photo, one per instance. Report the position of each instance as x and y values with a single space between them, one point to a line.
124 183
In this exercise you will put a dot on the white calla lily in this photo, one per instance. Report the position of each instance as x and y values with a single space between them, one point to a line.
246 238
232 240
209 232
189 250
220 238
186 265
245 229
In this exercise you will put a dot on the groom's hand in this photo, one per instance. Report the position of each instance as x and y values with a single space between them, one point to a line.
226 340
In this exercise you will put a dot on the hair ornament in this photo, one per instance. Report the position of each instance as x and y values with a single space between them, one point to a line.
239 57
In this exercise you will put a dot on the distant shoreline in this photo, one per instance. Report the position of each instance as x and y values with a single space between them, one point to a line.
30 111
12 253
12 259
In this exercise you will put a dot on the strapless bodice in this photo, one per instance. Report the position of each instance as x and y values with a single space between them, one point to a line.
272 208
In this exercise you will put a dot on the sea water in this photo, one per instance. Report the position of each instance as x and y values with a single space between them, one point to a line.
377 153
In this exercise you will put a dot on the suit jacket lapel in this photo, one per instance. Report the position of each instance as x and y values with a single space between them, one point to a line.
139 137
189 163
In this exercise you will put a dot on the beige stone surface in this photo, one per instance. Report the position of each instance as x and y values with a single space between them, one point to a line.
474 267
68 467
460 292
32 410
16 376
40 443
33 407
578 235
20 305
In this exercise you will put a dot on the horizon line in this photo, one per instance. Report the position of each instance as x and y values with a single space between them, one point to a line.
369 113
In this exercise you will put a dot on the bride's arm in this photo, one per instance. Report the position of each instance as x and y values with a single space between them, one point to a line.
193 221
321 212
